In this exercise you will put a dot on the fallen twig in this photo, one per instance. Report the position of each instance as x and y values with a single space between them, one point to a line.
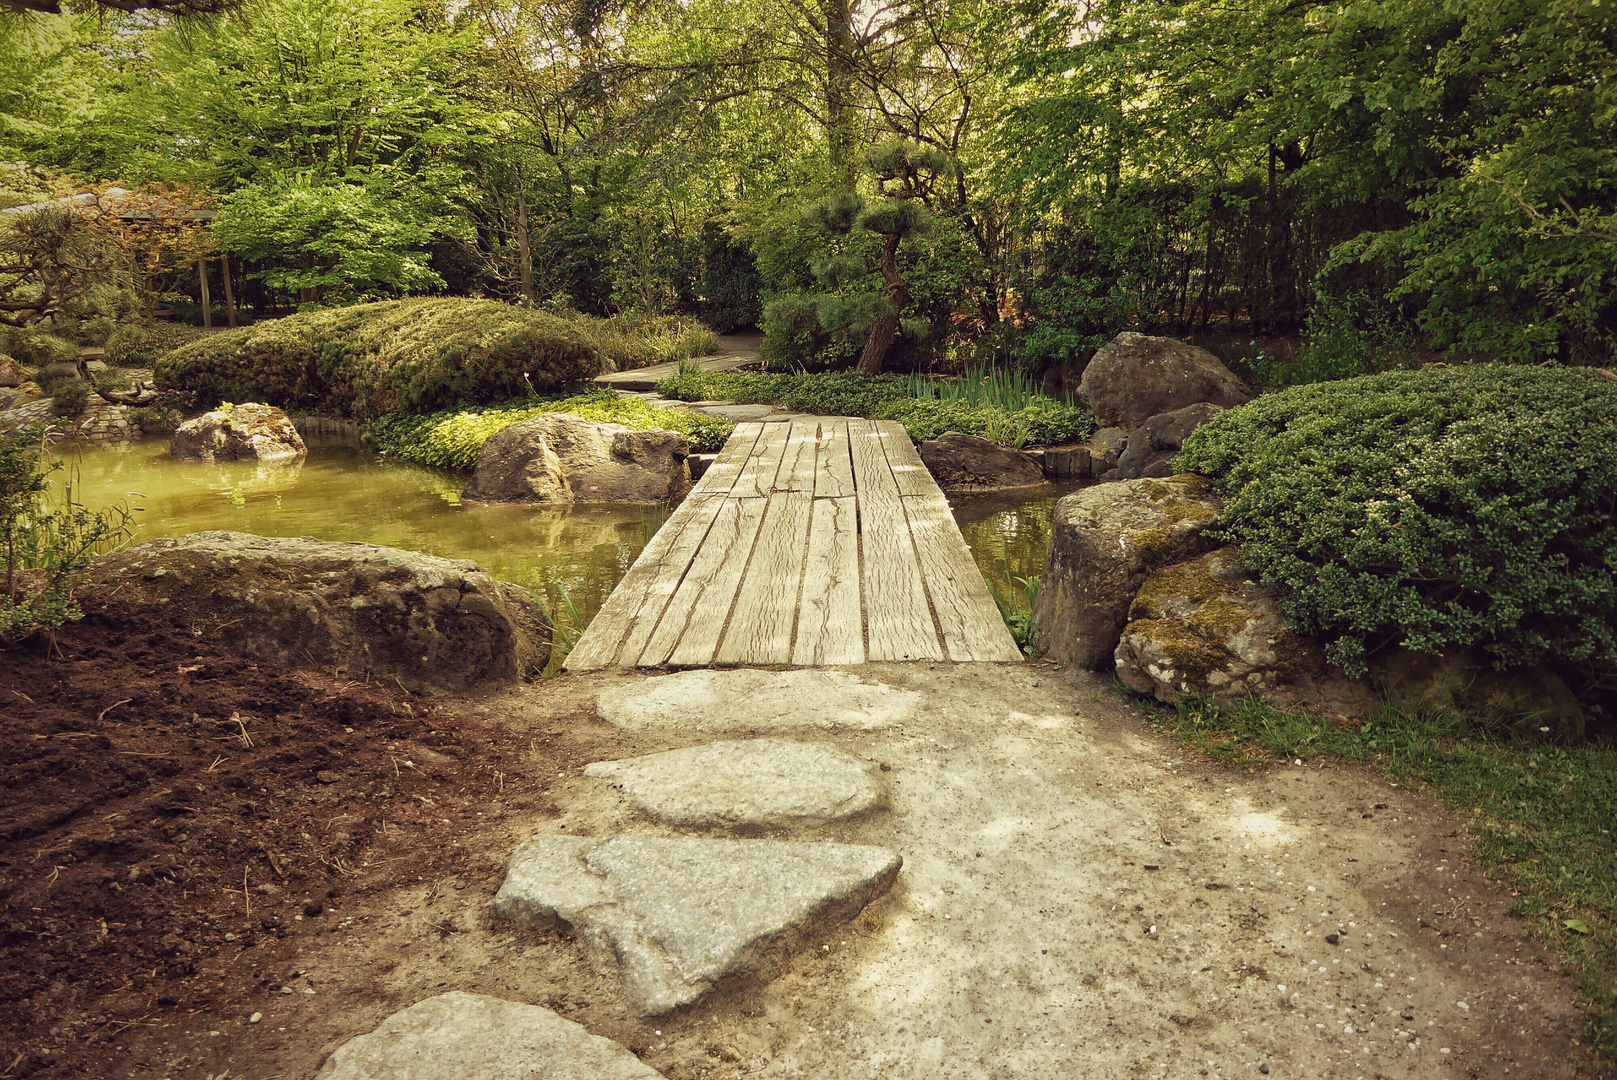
102 715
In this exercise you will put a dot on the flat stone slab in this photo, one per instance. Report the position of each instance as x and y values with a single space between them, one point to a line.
747 698
458 1036
761 782
677 916
738 413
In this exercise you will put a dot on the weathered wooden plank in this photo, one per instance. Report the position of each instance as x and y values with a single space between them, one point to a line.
896 615
669 572
694 618
833 469
909 472
797 463
721 475
970 621
760 631
668 553
757 477
829 629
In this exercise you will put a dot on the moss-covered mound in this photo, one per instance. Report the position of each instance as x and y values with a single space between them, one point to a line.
1441 510
401 356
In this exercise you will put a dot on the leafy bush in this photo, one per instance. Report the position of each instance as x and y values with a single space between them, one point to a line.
889 397
47 539
731 283
36 348
69 394
1438 509
402 356
452 439
140 346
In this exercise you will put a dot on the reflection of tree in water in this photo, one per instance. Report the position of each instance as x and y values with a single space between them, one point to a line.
1009 537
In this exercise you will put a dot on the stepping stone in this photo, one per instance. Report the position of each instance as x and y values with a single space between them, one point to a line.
677 916
459 1036
762 782
747 698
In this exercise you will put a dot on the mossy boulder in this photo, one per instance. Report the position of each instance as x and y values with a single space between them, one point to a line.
250 432
1205 628
1106 540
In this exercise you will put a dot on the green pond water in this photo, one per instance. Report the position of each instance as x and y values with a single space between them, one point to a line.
339 494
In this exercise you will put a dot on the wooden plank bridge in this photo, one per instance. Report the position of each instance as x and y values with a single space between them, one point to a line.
816 541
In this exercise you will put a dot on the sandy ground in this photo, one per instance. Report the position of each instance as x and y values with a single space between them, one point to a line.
1077 900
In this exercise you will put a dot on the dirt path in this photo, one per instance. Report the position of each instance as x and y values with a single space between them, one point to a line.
1076 901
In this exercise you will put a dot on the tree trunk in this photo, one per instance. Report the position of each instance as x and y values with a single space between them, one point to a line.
230 294
885 328
207 301
839 83
524 245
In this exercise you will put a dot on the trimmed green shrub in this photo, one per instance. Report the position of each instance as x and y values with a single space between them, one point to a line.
452 439
140 346
37 348
635 340
400 356
888 397
1438 509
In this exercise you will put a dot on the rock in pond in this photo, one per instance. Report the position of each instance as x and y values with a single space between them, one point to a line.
1106 540
249 431
749 698
971 463
555 458
426 621
1135 377
1152 447
679 916
460 1036
12 374
768 783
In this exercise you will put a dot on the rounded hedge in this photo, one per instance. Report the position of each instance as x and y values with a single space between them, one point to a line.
399 356
1441 509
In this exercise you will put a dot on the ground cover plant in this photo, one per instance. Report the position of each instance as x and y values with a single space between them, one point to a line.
1038 421
1441 509
399 356
452 438
1543 815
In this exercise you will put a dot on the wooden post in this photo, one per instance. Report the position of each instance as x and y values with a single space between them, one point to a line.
207 301
230 296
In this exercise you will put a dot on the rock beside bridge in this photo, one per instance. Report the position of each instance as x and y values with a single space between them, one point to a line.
555 458
423 620
679 916
476 1037
1135 377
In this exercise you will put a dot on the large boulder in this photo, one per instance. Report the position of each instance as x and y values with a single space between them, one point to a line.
242 432
423 620
12 374
1135 377
1204 628
556 458
1153 445
971 463
1106 540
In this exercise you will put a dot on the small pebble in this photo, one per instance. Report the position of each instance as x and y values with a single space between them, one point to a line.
1333 938
286 989
255 1018
1264 1069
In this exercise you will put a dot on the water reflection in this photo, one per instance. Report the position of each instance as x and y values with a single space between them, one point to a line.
341 494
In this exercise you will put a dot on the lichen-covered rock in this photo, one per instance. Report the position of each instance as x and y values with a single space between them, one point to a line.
971 463
555 458
1106 540
1106 448
1152 446
1204 628
420 619
242 432
12 374
1135 377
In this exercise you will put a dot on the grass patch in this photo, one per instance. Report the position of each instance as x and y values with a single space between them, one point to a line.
636 341
1542 815
453 438
1041 421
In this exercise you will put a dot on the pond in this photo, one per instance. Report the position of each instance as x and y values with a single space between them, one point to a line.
338 494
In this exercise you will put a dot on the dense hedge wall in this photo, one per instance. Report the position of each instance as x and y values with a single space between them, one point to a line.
453 439
1439 509
401 356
